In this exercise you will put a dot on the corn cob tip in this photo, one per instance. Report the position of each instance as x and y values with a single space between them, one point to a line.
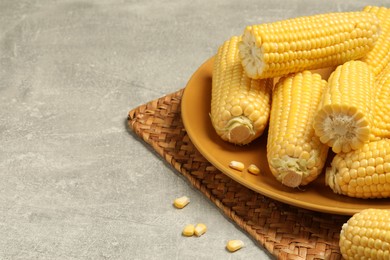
251 55
290 170
239 130
291 178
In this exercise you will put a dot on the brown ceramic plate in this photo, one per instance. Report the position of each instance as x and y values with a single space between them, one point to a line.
315 196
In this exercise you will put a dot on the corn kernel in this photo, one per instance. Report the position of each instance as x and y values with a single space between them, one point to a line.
188 230
234 245
253 169
200 229
239 166
181 202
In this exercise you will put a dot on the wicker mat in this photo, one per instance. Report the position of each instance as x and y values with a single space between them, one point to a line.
287 232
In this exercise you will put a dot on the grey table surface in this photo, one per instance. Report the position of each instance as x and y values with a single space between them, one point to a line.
75 184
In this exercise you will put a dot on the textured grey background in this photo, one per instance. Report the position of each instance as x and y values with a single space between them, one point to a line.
74 184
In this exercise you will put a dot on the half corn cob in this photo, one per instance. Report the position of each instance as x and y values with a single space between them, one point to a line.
381 111
304 43
240 106
295 154
366 235
362 173
379 56
343 120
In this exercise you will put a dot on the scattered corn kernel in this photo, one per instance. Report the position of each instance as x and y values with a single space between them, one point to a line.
189 230
253 169
200 229
239 166
234 245
181 202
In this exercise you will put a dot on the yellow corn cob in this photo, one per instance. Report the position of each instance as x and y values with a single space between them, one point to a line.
295 154
343 120
240 106
362 173
366 235
381 111
379 56
304 43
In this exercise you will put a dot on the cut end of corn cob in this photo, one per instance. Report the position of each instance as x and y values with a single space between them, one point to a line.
251 55
239 130
290 170
343 128
343 119
366 235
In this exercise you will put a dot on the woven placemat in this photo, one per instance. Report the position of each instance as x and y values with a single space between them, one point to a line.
287 232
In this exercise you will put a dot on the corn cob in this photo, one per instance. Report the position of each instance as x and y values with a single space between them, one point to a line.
379 56
240 106
295 154
362 173
343 120
381 111
306 43
366 235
